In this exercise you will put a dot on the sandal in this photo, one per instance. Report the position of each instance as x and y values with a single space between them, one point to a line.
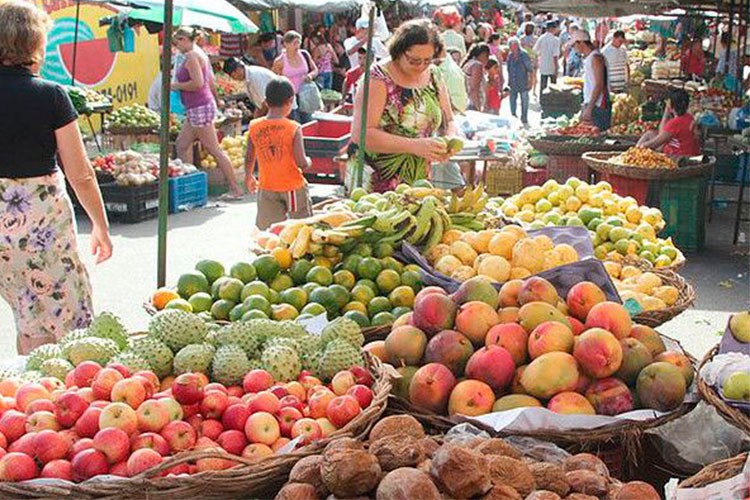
231 197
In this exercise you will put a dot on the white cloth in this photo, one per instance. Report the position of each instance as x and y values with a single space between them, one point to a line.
256 80
154 94
617 62
589 79
548 48
453 40
378 50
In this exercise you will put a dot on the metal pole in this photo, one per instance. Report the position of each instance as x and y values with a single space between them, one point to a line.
164 150
75 44
359 171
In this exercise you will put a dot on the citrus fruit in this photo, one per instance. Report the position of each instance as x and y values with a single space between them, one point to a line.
295 296
282 282
397 312
323 261
363 249
412 279
299 271
221 308
388 280
313 309
359 318
351 262
162 296
344 278
309 287
280 312
236 313
355 306
341 294
378 305
283 256
201 301
255 288
326 298
257 302
254 314
383 318
412 267
273 296
190 283
243 271
363 294
330 251
215 286
369 268
357 193
266 267
180 304
320 275
211 269
231 289
370 284
392 263
402 296
382 250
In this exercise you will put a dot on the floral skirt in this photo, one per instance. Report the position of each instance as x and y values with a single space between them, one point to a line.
41 274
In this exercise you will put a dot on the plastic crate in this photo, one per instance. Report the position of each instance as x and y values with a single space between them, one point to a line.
625 186
188 192
325 170
683 203
326 135
131 204
534 176
562 167
502 178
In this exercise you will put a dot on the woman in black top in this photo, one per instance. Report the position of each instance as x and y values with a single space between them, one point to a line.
41 274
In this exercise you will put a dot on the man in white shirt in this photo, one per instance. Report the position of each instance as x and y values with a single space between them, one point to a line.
353 43
616 55
547 49
256 79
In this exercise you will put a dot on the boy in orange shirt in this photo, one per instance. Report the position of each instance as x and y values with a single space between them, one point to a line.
276 142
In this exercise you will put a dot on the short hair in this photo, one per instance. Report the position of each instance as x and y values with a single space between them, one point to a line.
411 33
680 100
24 27
493 62
291 36
493 37
187 31
279 92
267 37
619 34
231 64
529 29
725 38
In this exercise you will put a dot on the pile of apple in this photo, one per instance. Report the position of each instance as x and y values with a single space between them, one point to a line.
480 351
105 420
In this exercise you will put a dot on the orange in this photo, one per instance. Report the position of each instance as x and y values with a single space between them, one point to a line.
162 296
283 256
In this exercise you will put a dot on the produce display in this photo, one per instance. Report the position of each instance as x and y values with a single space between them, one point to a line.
130 168
646 288
133 116
633 128
226 86
234 147
581 129
625 110
497 254
86 100
644 158
399 461
331 95
736 384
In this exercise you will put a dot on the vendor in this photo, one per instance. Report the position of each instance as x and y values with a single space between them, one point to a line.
256 79
676 135
597 105
408 105
693 59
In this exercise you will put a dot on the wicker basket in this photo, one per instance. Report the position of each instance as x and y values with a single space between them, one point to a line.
503 177
717 471
711 396
569 146
249 479
685 299
562 167
600 161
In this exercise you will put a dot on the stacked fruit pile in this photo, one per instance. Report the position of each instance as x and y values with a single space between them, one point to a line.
646 288
735 385
133 116
368 290
400 462
479 351
234 147
226 86
497 254
633 128
644 158
581 129
130 168
625 110
86 100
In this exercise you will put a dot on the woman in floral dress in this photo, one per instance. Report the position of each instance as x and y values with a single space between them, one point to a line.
41 274
408 106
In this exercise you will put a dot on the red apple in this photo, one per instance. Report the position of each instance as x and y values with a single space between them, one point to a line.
3 441
264 401
40 405
292 401
84 373
178 469
119 469
279 391
308 428
214 403
152 416
142 460
150 440
42 420
262 427
130 390
52 383
319 401
104 381
79 446
215 386
24 444
87 394
287 417
13 424
257 380
362 394
29 392
70 380
89 463
180 435
151 377
187 389
342 381
124 370
362 375
148 385
259 451
296 389
232 441
99 404
58 469
174 410
210 428
235 391
342 410
114 443
235 416
275 447
88 424
326 427
50 445
17 467
69 407
190 410
120 416
308 382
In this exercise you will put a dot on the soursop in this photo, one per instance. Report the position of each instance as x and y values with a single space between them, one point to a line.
131 361
194 358
338 355
241 334
264 329
343 328
56 367
32 376
108 326
281 361
41 354
230 365
90 349
291 329
9 373
156 353
73 335
177 328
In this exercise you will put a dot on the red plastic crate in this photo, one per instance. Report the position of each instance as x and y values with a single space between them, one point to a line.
625 186
326 136
534 176
562 167
325 170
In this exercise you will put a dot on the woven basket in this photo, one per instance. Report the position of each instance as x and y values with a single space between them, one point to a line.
132 130
249 479
717 471
711 396
599 161
685 299
503 177
569 146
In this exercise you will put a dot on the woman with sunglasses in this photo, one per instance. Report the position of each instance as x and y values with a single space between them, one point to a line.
408 106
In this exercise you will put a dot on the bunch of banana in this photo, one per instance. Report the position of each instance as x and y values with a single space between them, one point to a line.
430 222
466 221
473 200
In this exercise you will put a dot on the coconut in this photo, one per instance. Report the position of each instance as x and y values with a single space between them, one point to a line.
550 477
406 483
345 443
463 473
543 495
506 470
586 461
587 482
497 446
395 425
307 471
349 473
428 446
297 491
394 452
502 492
637 490
580 496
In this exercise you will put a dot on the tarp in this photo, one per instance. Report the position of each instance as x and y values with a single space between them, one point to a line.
596 9
308 5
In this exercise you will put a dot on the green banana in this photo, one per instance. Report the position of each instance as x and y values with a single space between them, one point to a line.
389 222
402 233
462 217
436 232
474 225
364 222
423 221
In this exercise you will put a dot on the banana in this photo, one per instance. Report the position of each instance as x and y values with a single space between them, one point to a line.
453 205
302 242
337 218
474 225
365 222
423 221
329 237
392 223
436 232
420 192
481 203
402 233
462 217
290 231
447 224
382 222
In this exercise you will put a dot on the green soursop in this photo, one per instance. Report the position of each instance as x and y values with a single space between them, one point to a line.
264 329
156 353
32 376
343 328
281 361
108 326
9 373
131 361
212 338
90 349
338 355
56 367
241 334
283 342
74 335
177 328
41 354
230 365
292 329
194 358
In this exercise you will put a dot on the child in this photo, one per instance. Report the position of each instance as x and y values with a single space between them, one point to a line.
276 142
494 86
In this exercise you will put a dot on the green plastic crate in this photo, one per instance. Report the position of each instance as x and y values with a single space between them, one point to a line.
683 203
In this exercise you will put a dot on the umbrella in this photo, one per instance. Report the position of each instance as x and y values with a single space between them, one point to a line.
216 15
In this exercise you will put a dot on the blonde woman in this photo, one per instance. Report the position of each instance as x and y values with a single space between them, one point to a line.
41 274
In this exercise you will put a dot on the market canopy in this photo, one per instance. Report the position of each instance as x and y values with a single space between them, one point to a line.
308 5
216 15
601 8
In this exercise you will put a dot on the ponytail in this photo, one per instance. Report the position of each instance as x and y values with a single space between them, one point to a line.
475 51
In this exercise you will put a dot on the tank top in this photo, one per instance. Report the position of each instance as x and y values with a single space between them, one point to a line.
273 141
589 83
325 63
195 98
296 74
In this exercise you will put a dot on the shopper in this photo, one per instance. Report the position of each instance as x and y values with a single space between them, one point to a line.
520 69
597 105
547 49
353 43
495 83
455 80
693 59
676 135
474 67
450 20
298 66
618 71
572 57
276 143
256 79
325 57
43 279
407 105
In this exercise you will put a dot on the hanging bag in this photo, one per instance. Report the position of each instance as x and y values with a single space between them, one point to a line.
308 98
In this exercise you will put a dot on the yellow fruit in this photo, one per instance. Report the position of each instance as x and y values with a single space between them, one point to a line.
496 268
596 200
551 260
480 259
525 215
526 254
668 294
652 303
435 253
583 192
647 282
510 210
613 268
603 186
529 207
447 264
566 253
162 297
572 204
463 273
283 256
633 214
272 242
451 235
464 251
662 261
544 242
482 242
502 244
610 207
630 272
517 230
549 186
519 273
628 294
647 231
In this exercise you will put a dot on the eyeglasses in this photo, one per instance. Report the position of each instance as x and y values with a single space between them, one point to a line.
418 62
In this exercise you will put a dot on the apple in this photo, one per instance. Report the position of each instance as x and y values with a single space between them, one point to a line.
152 416
129 390
235 416
88 424
174 410
58 469
296 389
120 416
50 445
233 441
166 383
276 446
99 404
119 469
287 417
87 394
24 444
264 401
179 435
342 409
151 377
258 451
342 381
84 373
737 386
142 460
279 391
124 370
191 410
29 392
79 446
13 424
9 387
362 375
210 428
178 469
308 382
262 427
113 442
42 420
40 405
187 389
17 467
292 401
739 325
104 381
150 440
89 463
326 427
308 428
214 403
257 381
69 407
70 380
215 386
318 403
3 441
52 383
